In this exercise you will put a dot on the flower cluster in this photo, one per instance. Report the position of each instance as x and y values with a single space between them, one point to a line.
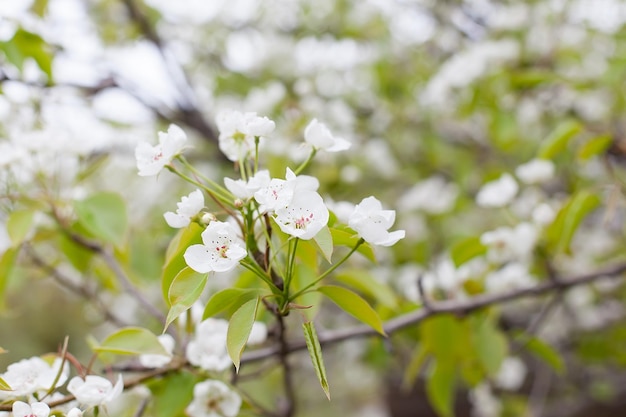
293 202
257 224
33 378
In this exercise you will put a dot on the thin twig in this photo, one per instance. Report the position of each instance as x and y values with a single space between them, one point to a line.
539 390
288 409
187 112
80 290
129 287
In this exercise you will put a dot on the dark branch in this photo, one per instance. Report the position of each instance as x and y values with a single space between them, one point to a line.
443 307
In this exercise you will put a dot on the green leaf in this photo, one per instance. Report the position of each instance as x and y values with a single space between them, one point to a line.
557 141
365 283
239 328
562 230
7 267
324 240
79 256
19 224
25 44
40 7
442 335
185 290
172 393
315 351
488 342
354 305
350 239
4 386
303 277
104 216
466 250
440 387
174 260
595 146
418 358
228 299
541 350
131 341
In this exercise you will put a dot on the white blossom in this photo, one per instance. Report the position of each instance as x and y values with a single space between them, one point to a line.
279 193
152 159
238 132
433 195
510 277
246 189
484 403
445 275
372 223
535 171
543 214
511 373
33 375
36 409
75 412
497 193
304 216
220 251
507 244
319 136
188 207
213 399
95 390
208 347
156 360
258 334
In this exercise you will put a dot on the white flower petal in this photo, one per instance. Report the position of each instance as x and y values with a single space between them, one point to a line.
371 222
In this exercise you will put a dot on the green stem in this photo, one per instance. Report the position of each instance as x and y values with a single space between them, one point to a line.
306 163
211 192
327 272
291 262
220 189
256 154
250 265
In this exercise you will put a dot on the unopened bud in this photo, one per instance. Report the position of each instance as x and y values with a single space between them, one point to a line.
208 218
238 203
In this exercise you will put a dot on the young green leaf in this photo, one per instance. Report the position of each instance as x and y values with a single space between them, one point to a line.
354 305
365 283
174 261
25 44
541 350
131 341
488 342
239 328
4 386
418 358
7 266
324 241
466 250
315 351
19 224
104 216
349 239
172 393
185 290
595 146
562 230
442 335
558 139
228 299
440 387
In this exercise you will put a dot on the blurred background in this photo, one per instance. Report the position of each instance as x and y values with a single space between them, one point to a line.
437 98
